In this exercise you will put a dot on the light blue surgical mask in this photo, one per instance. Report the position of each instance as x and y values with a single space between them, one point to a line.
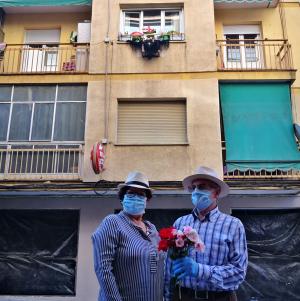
134 204
201 199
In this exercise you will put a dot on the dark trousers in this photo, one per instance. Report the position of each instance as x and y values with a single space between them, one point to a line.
186 294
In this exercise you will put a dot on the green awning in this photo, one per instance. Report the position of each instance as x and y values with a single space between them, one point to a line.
15 3
258 127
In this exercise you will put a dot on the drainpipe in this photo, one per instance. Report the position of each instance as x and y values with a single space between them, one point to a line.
282 20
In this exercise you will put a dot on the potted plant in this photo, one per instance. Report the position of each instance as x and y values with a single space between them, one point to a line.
164 38
136 38
175 35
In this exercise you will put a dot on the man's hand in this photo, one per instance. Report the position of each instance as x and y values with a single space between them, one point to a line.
184 267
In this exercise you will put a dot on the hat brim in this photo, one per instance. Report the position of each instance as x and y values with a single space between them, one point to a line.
187 183
148 190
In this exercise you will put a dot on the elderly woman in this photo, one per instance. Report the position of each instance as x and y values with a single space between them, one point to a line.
127 262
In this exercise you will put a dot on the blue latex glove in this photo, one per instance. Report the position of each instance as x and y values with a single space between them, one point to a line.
184 267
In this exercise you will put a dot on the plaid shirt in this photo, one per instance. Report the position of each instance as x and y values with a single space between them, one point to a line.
127 262
222 266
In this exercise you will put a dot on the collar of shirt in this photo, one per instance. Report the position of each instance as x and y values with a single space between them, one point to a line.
148 225
209 217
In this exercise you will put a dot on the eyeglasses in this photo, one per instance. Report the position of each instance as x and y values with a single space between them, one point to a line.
136 192
205 186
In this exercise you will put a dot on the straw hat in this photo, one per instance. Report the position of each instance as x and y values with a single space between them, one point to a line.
135 179
206 173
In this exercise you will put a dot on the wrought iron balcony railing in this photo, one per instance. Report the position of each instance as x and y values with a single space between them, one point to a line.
254 54
41 162
259 175
262 174
44 58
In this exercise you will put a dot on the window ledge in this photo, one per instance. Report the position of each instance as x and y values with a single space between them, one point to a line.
171 42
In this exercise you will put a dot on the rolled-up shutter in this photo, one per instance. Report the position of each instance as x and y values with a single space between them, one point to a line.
151 122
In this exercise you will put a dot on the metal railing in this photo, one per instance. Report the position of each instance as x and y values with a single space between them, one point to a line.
261 174
252 54
40 163
44 58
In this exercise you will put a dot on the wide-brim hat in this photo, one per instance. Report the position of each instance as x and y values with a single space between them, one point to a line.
138 180
203 172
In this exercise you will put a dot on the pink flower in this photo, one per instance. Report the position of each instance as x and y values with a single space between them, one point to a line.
187 229
174 232
199 246
179 234
193 236
179 242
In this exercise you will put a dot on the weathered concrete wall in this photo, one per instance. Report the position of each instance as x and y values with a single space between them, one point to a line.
160 163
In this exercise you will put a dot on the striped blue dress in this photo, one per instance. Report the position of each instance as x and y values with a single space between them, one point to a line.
127 263
222 266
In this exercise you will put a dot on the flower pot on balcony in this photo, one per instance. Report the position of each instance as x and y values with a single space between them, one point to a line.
136 39
164 39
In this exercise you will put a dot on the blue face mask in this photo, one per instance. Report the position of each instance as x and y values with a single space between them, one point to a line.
134 204
201 199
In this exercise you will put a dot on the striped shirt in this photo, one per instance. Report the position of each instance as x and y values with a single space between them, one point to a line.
223 264
127 263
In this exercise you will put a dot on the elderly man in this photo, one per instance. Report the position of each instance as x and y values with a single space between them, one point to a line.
216 273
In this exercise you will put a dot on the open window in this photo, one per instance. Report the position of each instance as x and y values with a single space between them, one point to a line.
40 53
243 47
160 21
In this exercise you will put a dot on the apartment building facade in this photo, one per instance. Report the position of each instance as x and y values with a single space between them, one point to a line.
217 86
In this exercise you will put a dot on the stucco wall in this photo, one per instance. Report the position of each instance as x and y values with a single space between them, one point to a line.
296 104
268 18
292 13
197 53
160 163
16 24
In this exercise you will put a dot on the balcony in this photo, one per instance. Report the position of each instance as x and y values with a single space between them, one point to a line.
252 54
229 4
257 175
49 58
40 162
262 175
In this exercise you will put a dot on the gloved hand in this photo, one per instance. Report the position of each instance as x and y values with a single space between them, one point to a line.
184 267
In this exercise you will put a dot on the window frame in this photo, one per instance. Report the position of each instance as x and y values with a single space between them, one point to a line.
55 101
241 30
162 19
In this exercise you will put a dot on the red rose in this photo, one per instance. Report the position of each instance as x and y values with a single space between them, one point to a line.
167 233
163 245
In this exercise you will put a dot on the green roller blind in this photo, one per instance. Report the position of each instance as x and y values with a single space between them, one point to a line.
258 127
11 3
152 122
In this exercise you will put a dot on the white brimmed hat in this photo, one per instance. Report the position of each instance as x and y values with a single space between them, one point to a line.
135 179
207 173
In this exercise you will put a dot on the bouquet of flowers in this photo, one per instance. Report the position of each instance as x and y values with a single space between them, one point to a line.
179 242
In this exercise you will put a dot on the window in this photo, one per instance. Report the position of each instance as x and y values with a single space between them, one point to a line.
162 20
152 122
38 252
41 50
243 49
42 113
258 127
